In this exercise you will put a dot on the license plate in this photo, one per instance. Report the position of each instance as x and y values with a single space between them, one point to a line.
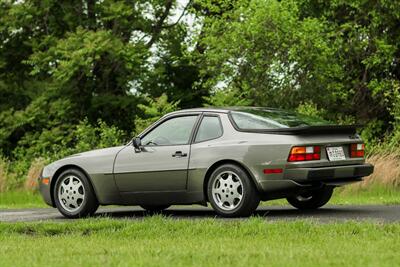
335 153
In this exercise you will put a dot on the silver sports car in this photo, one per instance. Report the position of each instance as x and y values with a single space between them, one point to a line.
231 158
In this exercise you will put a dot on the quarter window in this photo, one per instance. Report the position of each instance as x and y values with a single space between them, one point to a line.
210 128
175 131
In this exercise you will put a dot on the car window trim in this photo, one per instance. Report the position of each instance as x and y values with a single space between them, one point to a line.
205 114
162 120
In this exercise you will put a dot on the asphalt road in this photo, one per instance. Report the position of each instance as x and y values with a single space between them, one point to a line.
329 213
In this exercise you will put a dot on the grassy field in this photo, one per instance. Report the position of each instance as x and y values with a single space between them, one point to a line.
159 241
372 195
21 199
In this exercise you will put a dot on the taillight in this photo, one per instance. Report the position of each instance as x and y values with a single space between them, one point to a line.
357 150
305 153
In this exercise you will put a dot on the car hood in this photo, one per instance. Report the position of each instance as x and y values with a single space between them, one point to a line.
97 152
85 160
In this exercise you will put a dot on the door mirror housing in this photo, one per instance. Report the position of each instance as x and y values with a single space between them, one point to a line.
137 143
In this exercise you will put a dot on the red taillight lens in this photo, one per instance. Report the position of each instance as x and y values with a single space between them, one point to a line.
272 171
305 153
357 150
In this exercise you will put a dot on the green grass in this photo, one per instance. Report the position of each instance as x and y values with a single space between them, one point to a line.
372 195
159 241
21 199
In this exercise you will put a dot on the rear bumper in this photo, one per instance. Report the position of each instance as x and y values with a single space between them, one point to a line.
329 173
294 180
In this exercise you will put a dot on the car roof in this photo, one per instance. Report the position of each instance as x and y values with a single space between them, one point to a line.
217 109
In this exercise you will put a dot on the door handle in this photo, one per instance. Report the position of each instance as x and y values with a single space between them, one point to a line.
179 154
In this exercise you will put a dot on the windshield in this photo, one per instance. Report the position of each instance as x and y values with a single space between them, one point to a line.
267 119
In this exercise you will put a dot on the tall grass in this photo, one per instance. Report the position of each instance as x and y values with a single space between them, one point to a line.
386 173
3 175
31 181
12 179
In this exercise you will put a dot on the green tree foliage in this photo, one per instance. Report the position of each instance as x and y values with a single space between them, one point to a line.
264 50
342 56
154 110
77 75
64 61
227 98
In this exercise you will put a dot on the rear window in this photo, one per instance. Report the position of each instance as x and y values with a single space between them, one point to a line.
268 119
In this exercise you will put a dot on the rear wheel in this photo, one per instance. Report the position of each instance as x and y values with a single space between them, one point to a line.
73 194
311 200
155 208
231 192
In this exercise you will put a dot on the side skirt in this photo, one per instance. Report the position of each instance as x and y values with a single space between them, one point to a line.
162 198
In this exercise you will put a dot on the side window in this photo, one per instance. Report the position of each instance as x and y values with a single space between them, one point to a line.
210 128
175 131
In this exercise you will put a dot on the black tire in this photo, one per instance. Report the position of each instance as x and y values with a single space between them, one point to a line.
250 196
311 200
155 208
88 205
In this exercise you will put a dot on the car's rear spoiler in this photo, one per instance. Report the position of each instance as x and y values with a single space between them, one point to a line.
306 130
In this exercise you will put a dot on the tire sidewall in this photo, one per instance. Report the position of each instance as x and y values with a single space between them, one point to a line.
319 199
88 201
246 184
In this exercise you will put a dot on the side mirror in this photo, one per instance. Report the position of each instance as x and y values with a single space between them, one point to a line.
137 143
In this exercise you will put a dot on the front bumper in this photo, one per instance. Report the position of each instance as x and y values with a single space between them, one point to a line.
45 191
329 173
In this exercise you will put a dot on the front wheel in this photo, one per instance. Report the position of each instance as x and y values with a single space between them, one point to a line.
311 200
231 192
73 194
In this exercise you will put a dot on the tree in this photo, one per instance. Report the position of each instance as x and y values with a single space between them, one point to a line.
342 56
63 61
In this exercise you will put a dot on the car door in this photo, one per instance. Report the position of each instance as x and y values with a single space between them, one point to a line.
162 165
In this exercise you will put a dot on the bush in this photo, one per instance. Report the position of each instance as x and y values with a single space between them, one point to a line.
8 179
88 137
50 145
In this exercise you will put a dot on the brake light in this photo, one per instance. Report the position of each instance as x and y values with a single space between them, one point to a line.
305 153
357 150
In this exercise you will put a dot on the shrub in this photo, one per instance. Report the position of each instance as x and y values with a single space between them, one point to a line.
50 145
311 109
8 179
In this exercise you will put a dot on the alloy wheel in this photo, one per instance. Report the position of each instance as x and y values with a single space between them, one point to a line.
71 193
227 190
